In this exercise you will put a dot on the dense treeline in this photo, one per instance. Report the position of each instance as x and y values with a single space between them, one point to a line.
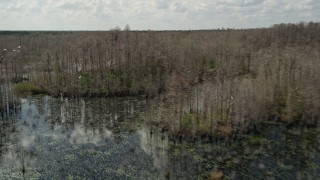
218 80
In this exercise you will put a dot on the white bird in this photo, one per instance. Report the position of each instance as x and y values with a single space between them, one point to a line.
14 50
79 77
4 49
19 47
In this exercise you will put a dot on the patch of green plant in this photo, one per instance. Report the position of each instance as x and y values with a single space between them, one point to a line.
115 72
187 121
243 68
212 64
85 80
28 88
192 123
198 124
72 177
154 71
70 157
221 115
207 64
256 140
176 152
290 104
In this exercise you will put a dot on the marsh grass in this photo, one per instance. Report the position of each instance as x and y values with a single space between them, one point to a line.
196 125
29 88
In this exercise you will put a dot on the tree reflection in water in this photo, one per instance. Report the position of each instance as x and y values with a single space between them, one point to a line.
106 138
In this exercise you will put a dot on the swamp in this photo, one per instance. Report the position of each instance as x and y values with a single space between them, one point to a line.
121 104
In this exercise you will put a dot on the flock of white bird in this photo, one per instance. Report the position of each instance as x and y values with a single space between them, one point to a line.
14 50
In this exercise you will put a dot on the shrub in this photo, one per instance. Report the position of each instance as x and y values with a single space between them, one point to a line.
28 88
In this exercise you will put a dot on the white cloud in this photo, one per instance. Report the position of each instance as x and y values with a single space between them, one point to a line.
178 7
153 14
162 4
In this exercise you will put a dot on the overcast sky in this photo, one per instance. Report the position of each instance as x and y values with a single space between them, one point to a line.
153 14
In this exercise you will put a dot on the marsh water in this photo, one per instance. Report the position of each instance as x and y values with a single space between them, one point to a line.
106 138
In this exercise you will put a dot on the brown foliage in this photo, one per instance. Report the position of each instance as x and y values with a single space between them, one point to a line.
269 71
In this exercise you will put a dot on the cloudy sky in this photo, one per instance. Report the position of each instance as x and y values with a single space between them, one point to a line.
153 14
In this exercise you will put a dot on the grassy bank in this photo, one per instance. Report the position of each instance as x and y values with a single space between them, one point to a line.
29 89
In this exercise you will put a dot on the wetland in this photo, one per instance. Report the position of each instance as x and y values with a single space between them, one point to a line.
108 138
122 104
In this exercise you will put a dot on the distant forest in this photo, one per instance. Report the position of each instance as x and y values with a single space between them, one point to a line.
220 80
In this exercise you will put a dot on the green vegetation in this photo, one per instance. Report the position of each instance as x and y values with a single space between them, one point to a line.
256 140
195 125
28 88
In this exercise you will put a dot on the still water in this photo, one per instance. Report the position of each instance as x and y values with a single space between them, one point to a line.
106 138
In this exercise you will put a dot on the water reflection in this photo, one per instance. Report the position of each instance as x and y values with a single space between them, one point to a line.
81 136
105 138
156 145
66 136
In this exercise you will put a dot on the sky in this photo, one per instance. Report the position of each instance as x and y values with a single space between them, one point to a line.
153 14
